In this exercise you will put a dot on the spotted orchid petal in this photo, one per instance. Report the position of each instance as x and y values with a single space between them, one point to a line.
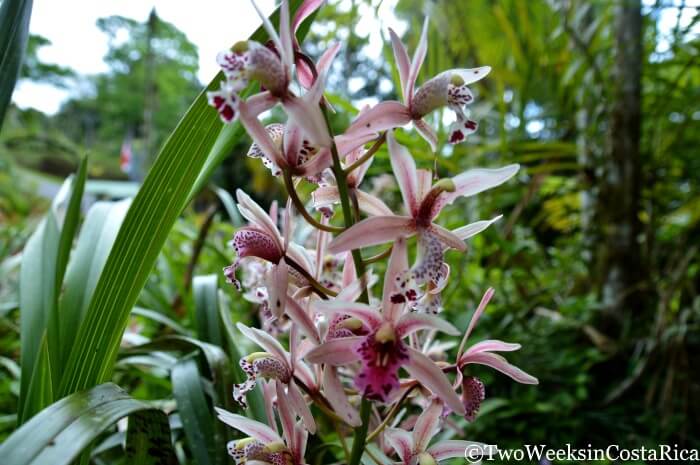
417 62
426 372
260 136
251 428
455 448
426 426
470 230
372 231
252 212
404 168
339 351
412 322
402 61
398 263
335 394
498 363
226 101
472 182
368 315
401 441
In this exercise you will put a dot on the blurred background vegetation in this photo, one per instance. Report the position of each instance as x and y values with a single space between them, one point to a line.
595 263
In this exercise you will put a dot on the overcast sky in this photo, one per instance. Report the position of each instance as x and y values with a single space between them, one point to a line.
70 25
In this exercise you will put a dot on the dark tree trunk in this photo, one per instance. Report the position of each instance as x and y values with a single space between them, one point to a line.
619 200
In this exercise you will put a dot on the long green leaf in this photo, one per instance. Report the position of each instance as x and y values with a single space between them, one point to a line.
14 34
59 433
206 304
195 413
160 201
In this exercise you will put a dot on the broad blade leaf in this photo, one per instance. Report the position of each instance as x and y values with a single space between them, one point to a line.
14 33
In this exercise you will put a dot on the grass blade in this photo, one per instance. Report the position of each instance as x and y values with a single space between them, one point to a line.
206 303
59 433
14 34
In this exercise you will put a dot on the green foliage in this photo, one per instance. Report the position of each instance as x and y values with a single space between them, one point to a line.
14 33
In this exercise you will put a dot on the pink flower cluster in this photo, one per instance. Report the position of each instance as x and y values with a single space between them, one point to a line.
350 345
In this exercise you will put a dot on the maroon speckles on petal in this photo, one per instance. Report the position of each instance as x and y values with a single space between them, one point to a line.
251 242
379 377
456 137
473 394
459 95
259 365
470 125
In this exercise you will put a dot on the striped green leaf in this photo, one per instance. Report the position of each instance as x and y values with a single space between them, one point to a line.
14 34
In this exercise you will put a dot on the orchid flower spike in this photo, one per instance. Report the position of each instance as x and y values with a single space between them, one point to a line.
424 201
447 89
413 447
375 337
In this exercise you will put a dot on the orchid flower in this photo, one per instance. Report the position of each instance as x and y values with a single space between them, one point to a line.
327 195
261 239
482 353
423 202
273 364
447 89
263 444
412 446
381 347
272 67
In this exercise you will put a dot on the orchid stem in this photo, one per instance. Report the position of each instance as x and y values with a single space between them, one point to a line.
299 205
379 256
358 442
394 410
367 155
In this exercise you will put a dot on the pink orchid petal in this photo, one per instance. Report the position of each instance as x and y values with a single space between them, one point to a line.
302 320
325 196
286 40
448 238
305 10
381 117
424 182
417 62
454 448
319 162
349 273
368 315
301 436
465 232
287 223
358 174
479 310
372 231
269 28
286 416
300 255
426 426
301 369
470 75
404 168
301 408
277 281
260 102
257 132
306 112
401 441
269 394
335 394
339 351
412 322
264 340
372 205
252 212
492 345
351 291
431 376
499 363
348 142
292 142
426 133
324 63
472 182
249 427
304 74
398 264
402 61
